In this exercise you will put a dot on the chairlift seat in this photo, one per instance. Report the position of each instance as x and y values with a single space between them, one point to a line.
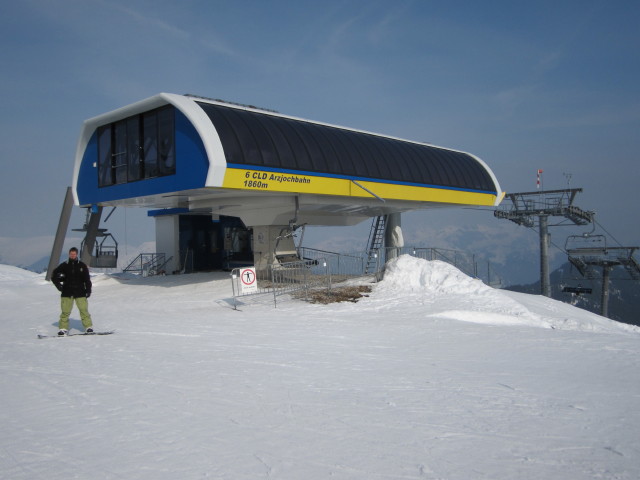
292 259
577 290
105 260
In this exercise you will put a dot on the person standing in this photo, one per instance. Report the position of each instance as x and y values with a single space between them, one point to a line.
72 279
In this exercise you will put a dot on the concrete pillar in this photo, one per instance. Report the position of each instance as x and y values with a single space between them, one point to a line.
168 240
393 239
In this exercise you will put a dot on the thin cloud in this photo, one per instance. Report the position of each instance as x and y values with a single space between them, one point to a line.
606 116
148 20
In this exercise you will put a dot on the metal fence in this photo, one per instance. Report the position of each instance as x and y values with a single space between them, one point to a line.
355 264
341 265
284 278
463 261
321 269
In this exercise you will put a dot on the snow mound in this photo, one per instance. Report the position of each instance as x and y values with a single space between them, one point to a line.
407 272
440 286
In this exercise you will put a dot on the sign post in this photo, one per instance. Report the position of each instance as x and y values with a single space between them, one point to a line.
248 282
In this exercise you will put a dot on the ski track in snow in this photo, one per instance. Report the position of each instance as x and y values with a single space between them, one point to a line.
434 375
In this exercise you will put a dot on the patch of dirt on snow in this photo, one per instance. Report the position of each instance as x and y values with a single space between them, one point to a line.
343 294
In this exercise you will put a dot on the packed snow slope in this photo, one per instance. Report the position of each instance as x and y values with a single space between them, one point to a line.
433 375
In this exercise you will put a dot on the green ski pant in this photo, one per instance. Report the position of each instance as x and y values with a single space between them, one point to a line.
66 304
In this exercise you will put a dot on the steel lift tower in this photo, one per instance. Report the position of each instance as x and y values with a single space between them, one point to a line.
544 204
590 251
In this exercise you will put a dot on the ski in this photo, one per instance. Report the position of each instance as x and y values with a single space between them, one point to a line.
108 332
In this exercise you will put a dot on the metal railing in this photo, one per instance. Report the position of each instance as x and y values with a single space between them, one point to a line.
355 264
147 264
463 261
322 269
283 278
341 265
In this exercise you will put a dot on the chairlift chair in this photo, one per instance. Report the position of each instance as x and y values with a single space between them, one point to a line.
586 244
106 252
285 252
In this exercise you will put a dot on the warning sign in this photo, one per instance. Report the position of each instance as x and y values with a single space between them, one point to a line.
248 282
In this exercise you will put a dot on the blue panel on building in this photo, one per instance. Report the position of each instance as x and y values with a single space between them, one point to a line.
192 166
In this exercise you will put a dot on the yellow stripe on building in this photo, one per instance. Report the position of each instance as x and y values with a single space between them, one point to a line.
258 180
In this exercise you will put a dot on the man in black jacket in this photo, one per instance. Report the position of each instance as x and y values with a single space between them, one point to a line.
72 279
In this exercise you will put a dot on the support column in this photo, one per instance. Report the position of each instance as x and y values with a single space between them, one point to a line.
61 233
393 239
168 241
90 237
604 304
545 279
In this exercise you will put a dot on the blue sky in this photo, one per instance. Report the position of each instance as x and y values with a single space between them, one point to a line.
523 85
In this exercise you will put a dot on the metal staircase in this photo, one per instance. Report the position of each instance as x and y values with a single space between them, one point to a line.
375 243
147 264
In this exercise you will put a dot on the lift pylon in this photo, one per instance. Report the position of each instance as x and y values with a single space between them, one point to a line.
525 206
587 257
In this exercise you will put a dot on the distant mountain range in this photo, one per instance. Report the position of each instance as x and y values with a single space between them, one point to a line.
126 256
624 293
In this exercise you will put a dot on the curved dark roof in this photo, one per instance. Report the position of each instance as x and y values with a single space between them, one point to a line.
265 140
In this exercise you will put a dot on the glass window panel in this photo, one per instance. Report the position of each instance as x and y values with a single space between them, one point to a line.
150 144
166 143
105 170
120 151
133 148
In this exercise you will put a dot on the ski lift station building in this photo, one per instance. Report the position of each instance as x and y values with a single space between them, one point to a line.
224 180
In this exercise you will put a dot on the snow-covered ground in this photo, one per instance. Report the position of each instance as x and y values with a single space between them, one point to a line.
434 375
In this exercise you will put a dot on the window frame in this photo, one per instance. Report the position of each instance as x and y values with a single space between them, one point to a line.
122 159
